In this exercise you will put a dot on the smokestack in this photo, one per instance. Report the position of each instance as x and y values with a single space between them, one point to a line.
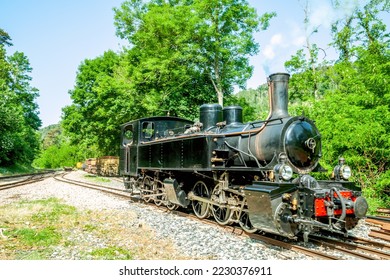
278 96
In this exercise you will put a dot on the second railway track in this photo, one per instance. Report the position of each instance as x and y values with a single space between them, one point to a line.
20 180
111 190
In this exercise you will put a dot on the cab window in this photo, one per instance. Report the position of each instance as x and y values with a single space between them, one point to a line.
148 130
128 135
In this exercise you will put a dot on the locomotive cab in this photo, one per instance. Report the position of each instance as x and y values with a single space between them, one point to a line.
140 132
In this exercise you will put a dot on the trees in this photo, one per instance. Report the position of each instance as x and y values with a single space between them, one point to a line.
5 39
20 85
57 156
18 109
11 120
184 46
256 105
181 53
162 65
226 42
99 106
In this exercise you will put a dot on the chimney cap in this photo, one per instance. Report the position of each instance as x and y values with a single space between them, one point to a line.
279 76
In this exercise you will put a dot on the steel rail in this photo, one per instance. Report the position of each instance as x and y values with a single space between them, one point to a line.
381 234
353 248
370 242
106 189
383 223
29 180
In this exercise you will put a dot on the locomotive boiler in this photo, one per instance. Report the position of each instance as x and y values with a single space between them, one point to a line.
257 174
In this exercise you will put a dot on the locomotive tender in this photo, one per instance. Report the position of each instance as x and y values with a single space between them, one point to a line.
256 174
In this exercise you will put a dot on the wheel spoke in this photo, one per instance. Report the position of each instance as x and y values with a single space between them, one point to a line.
221 213
201 209
246 224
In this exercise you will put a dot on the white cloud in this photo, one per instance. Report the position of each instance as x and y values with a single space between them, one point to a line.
276 39
322 15
268 52
299 41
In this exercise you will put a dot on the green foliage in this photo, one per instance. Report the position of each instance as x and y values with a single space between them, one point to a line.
56 149
350 99
5 39
362 28
378 194
18 109
355 120
100 105
309 80
164 70
181 54
255 103
11 120
25 95
58 156
182 45
16 169
352 130
51 135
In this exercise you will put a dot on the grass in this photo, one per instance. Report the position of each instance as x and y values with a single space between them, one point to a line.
37 237
96 178
111 253
16 169
50 229
32 228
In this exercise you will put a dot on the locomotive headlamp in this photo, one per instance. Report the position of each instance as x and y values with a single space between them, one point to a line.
284 171
341 171
345 172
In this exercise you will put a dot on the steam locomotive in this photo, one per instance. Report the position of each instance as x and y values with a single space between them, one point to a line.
256 174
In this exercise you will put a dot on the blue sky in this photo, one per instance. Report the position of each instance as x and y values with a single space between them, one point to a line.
57 36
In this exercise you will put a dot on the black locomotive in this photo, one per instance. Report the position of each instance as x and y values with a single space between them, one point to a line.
255 174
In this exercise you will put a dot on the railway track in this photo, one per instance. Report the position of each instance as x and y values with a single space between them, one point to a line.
316 254
385 212
8 182
117 179
111 190
370 251
382 234
382 227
